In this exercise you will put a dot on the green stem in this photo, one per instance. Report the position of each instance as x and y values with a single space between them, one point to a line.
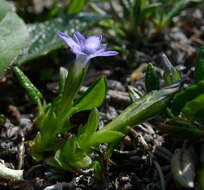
57 114
73 83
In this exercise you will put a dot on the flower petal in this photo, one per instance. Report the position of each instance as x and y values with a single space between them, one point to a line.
92 44
77 51
79 38
106 53
90 47
69 41
102 47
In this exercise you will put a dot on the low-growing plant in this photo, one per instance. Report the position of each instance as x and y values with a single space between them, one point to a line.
187 105
139 17
132 20
67 145
184 119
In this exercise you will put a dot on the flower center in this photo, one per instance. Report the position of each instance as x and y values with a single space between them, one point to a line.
92 44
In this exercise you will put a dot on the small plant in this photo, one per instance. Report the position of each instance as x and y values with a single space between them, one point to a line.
74 150
135 21
138 17
187 105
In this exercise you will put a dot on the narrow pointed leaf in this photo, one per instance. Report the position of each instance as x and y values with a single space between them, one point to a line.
92 123
134 94
171 74
33 93
151 79
92 98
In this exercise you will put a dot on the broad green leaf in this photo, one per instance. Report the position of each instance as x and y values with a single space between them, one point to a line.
151 79
44 37
193 107
92 98
13 38
186 95
75 6
199 67
5 8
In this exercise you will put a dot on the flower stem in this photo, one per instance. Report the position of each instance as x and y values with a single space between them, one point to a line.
72 85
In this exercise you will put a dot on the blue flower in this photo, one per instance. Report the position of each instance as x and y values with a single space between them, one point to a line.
89 47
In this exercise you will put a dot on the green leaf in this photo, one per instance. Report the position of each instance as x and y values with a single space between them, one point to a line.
44 37
33 93
151 79
86 132
186 95
72 155
5 8
75 6
134 94
149 11
199 67
98 171
145 108
193 107
106 137
171 74
92 98
92 124
13 38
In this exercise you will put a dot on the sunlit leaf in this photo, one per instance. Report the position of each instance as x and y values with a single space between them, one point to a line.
5 8
13 38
